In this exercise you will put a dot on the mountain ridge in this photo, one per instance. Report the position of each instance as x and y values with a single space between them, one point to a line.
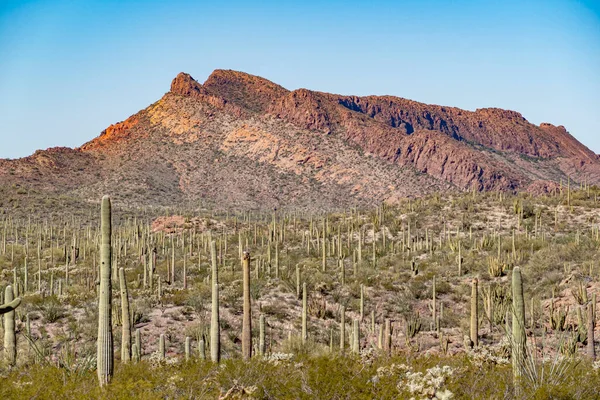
266 147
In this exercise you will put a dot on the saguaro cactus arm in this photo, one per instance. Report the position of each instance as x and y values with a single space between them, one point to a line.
8 307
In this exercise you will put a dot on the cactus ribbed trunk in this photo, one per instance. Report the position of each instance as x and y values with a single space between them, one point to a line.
201 349
138 344
342 327
10 337
247 318
518 324
261 336
187 348
298 281
355 337
474 314
126 319
161 347
590 350
215 339
433 305
304 312
362 302
105 356
387 337
135 353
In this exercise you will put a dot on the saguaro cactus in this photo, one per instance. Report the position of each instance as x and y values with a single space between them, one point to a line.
161 347
356 336
433 305
591 350
215 339
304 312
247 318
138 344
261 336
362 302
474 314
187 348
10 337
342 327
518 324
297 281
201 349
105 356
126 319
387 337
135 353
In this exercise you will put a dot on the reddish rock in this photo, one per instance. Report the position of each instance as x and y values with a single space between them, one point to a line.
239 140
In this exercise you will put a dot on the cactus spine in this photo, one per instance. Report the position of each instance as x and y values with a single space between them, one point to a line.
105 340
215 340
126 319
518 324
474 314
247 318
10 338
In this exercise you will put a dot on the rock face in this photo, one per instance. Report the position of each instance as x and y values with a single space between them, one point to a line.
241 141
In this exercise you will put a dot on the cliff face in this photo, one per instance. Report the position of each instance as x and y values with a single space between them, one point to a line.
242 141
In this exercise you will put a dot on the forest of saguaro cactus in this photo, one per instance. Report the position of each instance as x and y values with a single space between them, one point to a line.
477 295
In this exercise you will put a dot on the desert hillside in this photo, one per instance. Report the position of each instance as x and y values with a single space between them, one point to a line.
239 141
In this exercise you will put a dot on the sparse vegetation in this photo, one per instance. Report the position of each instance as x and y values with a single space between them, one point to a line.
460 334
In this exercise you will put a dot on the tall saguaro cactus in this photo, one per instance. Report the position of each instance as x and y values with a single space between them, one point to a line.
247 319
590 349
342 327
10 337
518 324
105 356
215 339
126 323
474 314
304 313
433 305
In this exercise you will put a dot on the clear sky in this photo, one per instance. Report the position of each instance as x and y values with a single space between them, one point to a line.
68 69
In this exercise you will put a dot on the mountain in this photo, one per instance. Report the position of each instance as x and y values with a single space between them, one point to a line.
241 141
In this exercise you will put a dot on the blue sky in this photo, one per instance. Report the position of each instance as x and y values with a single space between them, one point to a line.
68 69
